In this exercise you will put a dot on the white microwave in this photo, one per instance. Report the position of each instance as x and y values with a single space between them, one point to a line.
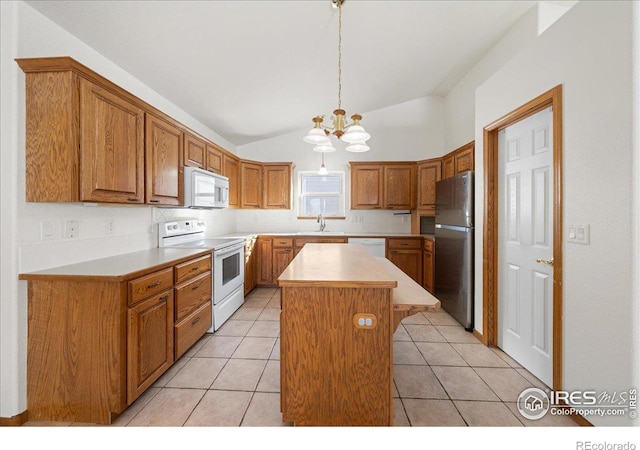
203 189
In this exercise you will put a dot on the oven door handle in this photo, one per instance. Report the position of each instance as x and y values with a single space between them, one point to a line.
234 249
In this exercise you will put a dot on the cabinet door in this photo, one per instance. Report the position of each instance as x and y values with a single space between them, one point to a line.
150 342
251 185
194 151
277 186
366 186
428 173
427 266
213 159
464 158
231 170
111 147
250 265
409 261
282 257
164 163
399 186
265 261
448 166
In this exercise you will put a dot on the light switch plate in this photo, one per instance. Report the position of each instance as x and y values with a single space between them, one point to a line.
579 234
47 230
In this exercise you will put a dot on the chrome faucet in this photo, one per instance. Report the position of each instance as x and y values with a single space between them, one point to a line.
321 222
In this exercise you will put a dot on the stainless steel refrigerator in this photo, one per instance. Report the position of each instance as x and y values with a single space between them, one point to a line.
454 247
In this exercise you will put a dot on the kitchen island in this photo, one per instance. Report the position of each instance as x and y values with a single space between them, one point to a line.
340 307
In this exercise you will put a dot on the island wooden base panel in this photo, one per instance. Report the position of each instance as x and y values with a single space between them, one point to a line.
333 373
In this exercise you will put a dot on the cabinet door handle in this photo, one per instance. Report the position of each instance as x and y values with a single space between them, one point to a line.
154 201
133 199
153 285
164 297
196 320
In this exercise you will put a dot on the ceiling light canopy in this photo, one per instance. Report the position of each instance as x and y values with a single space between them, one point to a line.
353 134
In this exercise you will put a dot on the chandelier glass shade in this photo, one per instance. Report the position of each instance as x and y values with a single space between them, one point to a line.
353 133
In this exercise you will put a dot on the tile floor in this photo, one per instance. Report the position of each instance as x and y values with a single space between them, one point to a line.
443 376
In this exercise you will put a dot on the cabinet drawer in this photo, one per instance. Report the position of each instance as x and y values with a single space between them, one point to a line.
283 242
192 328
328 240
404 244
191 295
192 268
143 287
428 245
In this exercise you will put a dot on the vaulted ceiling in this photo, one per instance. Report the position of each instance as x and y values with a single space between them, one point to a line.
250 70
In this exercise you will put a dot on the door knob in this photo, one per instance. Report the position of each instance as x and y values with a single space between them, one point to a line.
545 261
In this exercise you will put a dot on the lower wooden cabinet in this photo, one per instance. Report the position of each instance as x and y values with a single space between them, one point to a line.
250 264
265 261
428 266
282 257
406 254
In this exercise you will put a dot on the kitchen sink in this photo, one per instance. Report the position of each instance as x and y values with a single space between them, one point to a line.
320 233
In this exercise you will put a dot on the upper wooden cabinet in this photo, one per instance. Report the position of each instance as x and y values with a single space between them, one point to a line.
213 159
163 165
194 151
231 170
276 186
383 185
429 172
458 161
250 184
448 166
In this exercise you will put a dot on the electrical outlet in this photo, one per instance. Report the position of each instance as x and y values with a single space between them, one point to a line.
47 230
405 219
71 229
109 226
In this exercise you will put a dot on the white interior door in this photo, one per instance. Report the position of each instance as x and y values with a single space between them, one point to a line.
525 248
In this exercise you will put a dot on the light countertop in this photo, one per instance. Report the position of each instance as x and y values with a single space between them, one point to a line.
347 234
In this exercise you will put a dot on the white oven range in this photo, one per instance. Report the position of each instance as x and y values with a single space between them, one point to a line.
227 263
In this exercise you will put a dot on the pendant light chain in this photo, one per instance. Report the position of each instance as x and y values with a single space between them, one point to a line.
339 56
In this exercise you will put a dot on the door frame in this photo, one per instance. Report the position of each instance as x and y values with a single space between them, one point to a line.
553 98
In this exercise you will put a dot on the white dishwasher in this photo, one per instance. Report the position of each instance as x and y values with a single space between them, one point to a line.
375 246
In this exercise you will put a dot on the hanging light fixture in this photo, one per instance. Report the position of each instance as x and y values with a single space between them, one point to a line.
353 134
323 170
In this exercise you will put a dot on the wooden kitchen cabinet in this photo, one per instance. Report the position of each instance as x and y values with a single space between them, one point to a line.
366 186
429 172
282 257
194 151
428 266
265 261
164 163
250 264
276 185
464 158
231 170
406 254
448 166
399 190
383 185
213 159
250 184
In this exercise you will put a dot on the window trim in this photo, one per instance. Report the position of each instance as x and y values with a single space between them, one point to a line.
341 194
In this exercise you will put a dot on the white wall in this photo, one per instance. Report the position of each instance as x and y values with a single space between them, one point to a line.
589 52
26 33
409 131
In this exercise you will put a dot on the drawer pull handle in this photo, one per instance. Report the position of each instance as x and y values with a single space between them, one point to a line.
164 297
153 285
133 199
195 268
196 286
196 320
154 201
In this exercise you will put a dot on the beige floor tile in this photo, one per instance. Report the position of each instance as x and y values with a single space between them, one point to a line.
506 358
173 370
394 388
462 383
548 420
129 413
240 375
399 415
441 317
219 347
262 292
401 334
417 382
487 414
270 379
416 319
234 328
198 373
275 353
169 408
274 303
254 348
432 413
270 314
532 379
264 410
457 334
407 353
198 345
220 409
507 383
255 302
264 328
245 313
479 355
440 354
424 333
